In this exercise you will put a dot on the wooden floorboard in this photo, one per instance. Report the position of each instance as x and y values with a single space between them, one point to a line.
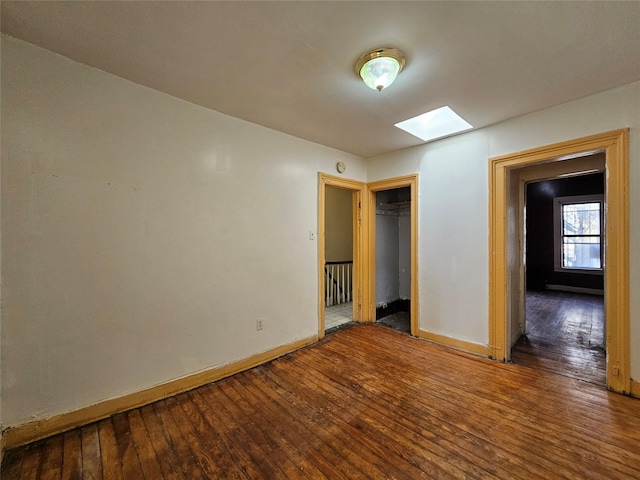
366 402
565 335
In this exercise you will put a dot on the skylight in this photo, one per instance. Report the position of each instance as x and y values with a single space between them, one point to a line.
435 124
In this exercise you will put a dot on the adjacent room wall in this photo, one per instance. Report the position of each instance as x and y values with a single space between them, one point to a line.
404 260
453 225
142 236
540 237
387 258
338 225
393 246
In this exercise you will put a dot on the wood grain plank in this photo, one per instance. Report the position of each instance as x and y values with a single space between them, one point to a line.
143 444
198 444
212 444
430 433
220 421
127 455
161 446
12 464
565 335
298 425
343 411
72 455
32 462
366 402
348 392
259 444
91 459
348 423
450 393
288 445
52 459
179 447
109 454
310 407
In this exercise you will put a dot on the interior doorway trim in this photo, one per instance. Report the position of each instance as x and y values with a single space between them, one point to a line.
410 181
360 264
615 144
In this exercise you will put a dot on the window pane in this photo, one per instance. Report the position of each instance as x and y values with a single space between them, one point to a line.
581 219
581 252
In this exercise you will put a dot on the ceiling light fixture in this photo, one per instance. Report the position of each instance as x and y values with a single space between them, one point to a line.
380 67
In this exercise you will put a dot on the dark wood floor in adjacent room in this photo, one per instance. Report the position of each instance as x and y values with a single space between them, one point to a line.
366 402
565 335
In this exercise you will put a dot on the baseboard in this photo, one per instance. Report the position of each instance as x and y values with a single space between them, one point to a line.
2 440
392 307
635 389
456 343
38 429
565 288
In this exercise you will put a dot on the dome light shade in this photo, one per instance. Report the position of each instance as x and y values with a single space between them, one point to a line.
380 67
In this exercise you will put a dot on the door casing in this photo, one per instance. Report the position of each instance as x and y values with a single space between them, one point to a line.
364 250
360 294
505 279
410 181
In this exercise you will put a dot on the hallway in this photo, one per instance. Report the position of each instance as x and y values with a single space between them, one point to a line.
337 315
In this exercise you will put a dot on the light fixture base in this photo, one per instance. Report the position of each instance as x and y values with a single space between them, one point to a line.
379 68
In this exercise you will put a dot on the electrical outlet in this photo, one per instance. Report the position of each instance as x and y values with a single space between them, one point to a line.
259 324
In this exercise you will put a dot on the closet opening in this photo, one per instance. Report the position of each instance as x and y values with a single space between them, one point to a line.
393 258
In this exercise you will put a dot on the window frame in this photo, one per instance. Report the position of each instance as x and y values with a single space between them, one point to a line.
558 203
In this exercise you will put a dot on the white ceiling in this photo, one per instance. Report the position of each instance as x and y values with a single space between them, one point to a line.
290 65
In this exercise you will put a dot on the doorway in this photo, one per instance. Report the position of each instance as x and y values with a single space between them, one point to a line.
563 325
364 245
399 194
338 265
393 258
340 278
508 175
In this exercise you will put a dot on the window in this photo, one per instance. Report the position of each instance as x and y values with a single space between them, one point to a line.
579 233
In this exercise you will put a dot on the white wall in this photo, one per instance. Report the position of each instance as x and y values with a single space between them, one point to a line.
453 217
142 236
452 260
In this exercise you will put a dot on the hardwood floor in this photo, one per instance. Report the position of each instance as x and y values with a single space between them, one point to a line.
366 402
565 335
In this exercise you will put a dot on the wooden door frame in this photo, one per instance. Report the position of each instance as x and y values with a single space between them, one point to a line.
360 293
410 181
615 144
